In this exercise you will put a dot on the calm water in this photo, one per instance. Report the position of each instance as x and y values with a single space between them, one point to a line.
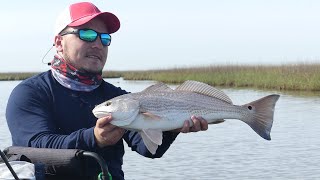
230 150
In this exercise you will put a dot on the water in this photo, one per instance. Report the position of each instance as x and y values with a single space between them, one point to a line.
230 150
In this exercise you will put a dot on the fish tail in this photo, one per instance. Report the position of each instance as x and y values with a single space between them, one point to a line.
261 118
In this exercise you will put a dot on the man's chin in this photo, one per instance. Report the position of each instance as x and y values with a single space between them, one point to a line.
92 70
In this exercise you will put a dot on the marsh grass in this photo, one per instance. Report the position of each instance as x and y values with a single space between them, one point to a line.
14 76
304 76
282 77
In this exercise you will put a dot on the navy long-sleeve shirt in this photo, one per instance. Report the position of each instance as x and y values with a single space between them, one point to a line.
42 113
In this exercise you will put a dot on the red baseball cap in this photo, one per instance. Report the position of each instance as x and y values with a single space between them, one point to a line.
80 13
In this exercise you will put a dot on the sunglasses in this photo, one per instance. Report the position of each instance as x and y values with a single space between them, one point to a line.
90 35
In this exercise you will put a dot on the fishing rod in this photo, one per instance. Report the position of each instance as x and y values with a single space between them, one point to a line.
4 157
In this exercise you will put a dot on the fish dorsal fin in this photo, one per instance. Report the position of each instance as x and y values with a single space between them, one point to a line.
205 89
158 87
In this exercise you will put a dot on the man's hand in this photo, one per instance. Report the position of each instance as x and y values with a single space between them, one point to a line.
107 134
199 124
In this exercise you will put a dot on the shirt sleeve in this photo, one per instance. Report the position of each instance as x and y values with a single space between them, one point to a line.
30 120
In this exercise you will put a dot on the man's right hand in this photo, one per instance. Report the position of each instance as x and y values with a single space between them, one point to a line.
107 134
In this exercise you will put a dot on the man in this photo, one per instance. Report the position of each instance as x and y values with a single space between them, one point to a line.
54 109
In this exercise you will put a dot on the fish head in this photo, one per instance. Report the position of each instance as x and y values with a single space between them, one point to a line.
123 110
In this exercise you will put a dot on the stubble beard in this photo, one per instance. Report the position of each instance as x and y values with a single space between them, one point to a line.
81 69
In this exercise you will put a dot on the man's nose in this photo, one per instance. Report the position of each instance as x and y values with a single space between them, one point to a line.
98 43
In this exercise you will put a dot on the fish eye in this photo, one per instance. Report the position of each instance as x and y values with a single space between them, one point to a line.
108 103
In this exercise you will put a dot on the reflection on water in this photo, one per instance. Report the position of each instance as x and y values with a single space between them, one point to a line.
231 150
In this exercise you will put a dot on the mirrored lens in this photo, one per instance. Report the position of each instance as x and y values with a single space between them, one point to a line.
105 39
88 35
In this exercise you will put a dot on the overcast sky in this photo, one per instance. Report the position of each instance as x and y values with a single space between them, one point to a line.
173 33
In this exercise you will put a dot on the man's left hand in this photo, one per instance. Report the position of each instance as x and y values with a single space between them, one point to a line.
199 124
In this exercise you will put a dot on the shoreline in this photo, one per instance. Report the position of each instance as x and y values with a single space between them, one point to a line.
289 77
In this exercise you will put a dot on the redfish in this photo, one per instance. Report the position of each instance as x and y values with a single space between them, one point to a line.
159 108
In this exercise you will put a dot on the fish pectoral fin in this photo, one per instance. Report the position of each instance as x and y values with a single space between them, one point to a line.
152 139
217 121
150 115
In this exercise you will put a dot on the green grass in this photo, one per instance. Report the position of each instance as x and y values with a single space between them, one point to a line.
16 76
304 77
281 77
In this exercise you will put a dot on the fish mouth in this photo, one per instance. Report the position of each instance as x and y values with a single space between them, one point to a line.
101 114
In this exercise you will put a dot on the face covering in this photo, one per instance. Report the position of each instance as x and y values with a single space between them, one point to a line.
70 77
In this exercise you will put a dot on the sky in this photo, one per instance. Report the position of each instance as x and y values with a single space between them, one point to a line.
172 33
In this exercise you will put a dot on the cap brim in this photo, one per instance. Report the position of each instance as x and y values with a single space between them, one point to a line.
111 21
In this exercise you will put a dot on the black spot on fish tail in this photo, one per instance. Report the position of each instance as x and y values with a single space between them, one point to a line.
262 112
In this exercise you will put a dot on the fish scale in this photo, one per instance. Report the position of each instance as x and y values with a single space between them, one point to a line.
194 103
